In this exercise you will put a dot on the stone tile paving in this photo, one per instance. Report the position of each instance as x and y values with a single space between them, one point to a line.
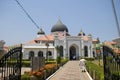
25 69
70 71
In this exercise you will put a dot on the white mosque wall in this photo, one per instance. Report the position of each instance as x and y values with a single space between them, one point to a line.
89 45
66 42
36 49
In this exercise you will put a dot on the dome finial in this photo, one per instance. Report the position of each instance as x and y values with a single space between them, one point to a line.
81 30
81 33
41 32
59 22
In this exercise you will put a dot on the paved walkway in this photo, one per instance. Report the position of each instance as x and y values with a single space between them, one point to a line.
70 71
25 69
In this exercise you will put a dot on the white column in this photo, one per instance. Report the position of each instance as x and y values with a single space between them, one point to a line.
55 54
82 47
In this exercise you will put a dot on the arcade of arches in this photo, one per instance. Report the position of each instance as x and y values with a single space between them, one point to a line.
73 52
40 54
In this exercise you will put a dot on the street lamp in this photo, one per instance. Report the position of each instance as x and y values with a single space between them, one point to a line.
41 32
90 50
47 54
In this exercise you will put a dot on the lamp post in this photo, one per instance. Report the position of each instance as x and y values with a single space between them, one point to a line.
90 50
98 50
47 54
41 32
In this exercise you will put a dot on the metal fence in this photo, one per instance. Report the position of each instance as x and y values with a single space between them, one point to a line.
111 63
10 65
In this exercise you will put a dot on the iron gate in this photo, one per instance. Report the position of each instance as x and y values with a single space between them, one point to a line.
10 65
111 64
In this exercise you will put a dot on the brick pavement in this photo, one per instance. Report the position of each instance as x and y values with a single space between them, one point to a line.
70 71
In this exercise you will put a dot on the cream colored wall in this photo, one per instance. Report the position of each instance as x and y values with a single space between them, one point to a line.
36 50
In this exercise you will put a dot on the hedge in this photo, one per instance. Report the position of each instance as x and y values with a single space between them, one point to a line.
49 69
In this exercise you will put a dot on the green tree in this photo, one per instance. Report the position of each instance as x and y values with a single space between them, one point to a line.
58 55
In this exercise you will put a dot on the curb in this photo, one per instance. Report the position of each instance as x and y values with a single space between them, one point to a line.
54 73
89 75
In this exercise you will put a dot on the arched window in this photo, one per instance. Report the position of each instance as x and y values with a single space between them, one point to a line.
93 54
86 51
49 53
31 54
40 54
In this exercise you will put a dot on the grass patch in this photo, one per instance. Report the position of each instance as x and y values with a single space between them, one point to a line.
95 70
97 62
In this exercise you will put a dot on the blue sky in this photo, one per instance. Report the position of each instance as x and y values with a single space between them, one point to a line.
92 16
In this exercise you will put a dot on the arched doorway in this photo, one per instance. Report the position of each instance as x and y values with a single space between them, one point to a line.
86 51
72 53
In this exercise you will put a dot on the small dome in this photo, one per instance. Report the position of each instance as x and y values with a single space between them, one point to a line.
81 33
59 26
40 32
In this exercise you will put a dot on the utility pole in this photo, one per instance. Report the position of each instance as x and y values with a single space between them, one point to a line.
116 19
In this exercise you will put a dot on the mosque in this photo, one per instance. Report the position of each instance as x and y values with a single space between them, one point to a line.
60 43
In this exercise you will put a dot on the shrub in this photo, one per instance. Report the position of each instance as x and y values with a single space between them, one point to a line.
89 59
110 58
25 77
116 75
49 68
26 60
63 61
37 75
58 60
50 62
26 63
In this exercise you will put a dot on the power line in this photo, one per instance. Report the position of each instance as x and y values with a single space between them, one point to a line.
116 19
27 13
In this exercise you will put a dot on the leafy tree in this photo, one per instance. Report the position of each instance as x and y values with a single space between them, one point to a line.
58 55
